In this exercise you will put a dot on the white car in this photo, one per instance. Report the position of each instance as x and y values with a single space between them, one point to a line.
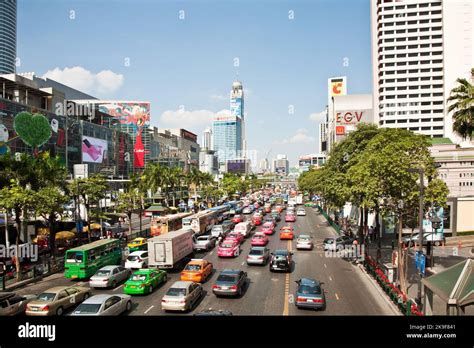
437 239
304 241
206 242
301 212
137 260
243 228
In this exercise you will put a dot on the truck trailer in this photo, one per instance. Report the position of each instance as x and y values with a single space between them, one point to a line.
170 250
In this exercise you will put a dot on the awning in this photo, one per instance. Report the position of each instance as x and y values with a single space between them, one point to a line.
455 285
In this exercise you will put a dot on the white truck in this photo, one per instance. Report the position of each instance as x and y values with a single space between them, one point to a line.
170 249
299 199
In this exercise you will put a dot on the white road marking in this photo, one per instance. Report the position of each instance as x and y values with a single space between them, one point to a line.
325 266
242 263
330 278
118 287
148 309
212 252
337 297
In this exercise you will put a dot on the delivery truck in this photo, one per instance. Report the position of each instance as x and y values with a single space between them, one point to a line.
171 250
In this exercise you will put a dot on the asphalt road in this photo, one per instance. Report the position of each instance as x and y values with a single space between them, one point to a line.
348 290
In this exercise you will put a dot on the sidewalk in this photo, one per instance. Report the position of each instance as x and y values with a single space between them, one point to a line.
444 257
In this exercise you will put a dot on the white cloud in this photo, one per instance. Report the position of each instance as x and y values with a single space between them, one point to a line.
301 137
318 116
220 97
189 119
104 82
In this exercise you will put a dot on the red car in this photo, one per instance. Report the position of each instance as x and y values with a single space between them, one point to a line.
238 237
259 239
257 220
228 248
290 218
268 228
237 218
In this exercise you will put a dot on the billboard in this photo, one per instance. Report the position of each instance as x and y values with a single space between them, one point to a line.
93 150
237 166
337 86
236 106
188 135
353 117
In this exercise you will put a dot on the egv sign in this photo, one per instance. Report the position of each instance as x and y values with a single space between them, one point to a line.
353 117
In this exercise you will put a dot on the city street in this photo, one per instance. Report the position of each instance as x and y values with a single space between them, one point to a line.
348 290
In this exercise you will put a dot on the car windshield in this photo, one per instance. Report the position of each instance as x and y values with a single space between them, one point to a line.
87 308
203 239
226 278
138 277
258 236
46 296
217 228
102 273
281 253
74 257
133 258
227 245
192 268
329 241
256 252
176 292
309 289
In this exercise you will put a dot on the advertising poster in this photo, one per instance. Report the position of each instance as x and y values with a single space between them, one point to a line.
236 107
135 114
337 86
236 167
93 150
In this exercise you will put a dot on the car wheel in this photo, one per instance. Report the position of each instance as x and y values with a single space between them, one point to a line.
59 311
150 289
128 308
86 296
237 252
165 278
114 284
239 293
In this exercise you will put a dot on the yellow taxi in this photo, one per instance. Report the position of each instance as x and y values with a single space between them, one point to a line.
197 270
287 232
137 244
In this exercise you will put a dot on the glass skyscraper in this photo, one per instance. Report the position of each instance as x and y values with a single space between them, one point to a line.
229 131
7 36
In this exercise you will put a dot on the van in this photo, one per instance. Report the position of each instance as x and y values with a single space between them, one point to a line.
243 228
220 230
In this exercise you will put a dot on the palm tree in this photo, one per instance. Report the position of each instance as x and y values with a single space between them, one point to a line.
462 97
175 176
194 176
153 177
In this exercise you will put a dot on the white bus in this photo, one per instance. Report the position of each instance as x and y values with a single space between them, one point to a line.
201 222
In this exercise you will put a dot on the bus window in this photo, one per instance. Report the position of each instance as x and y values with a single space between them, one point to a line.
75 257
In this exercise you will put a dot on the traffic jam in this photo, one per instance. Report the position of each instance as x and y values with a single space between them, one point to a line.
103 279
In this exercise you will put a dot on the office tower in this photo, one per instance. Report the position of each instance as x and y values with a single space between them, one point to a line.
281 165
7 36
419 49
207 138
237 110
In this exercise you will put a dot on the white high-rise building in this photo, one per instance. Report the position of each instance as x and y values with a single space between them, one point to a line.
419 49
207 138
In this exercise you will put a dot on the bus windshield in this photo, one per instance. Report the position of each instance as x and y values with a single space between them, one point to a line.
74 257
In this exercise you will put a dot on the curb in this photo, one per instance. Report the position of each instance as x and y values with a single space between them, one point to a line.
383 295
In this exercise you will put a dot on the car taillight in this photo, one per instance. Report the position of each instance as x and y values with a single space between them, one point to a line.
233 287
163 301
105 280
260 258
216 287
318 300
182 301
301 299
45 308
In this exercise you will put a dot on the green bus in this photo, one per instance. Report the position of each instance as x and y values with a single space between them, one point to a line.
82 262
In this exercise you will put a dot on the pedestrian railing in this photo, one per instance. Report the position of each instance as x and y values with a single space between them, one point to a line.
406 306
37 271
331 222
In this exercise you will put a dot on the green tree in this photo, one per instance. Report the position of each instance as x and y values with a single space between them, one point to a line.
90 191
462 103
19 199
128 203
49 203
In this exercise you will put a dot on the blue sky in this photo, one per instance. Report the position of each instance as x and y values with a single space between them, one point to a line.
143 50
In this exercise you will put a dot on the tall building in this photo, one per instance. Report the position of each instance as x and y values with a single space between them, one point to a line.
281 165
264 165
419 48
7 36
237 109
228 131
207 138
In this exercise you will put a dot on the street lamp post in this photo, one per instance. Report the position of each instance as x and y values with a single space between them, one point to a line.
420 222
435 224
